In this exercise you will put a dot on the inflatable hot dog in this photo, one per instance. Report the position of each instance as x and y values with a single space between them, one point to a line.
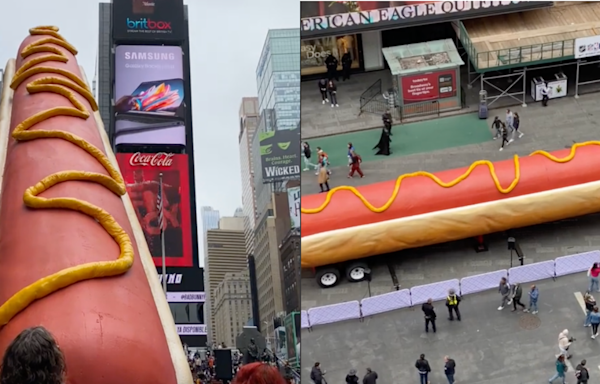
421 209
70 258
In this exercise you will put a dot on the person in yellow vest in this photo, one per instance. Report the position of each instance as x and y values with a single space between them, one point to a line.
452 302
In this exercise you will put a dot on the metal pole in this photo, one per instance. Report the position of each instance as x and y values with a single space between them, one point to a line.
577 80
162 235
511 258
524 87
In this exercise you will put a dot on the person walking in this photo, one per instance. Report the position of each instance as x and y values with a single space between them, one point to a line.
561 368
516 124
351 377
331 62
504 289
316 374
509 120
449 369
370 377
332 89
595 321
496 126
452 302
387 121
306 155
430 315
533 299
581 373
423 368
590 303
593 274
323 89
564 342
323 160
323 177
545 91
516 297
355 165
504 133
346 66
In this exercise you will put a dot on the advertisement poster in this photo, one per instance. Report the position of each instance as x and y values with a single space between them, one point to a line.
191 329
294 203
428 86
183 280
149 94
587 47
148 20
280 155
326 17
141 173
313 52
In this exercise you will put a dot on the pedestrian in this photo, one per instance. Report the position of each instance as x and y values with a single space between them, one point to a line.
346 66
351 377
323 160
517 293
564 342
581 373
387 121
306 155
316 374
350 150
449 369
430 315
561 368
423 368
504 289
323 177
516 124
331 62
323 89
593 273
590 303
509 120
332 89
595 321
355 165
496 126
370 377
452 302
504 132
533 299
545 91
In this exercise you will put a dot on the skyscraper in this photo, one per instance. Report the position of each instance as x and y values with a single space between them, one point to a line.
233 306
210 218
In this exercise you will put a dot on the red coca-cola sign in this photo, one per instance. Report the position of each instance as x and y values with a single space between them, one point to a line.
160 159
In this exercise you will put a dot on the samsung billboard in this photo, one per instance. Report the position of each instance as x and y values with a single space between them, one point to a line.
136 20
149 95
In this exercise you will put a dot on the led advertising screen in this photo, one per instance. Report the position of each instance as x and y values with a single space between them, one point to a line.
148 20
141 172
149 93
280 155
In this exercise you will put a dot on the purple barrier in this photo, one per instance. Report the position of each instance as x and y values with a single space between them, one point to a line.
480 283
304 321
333 313
386 302
531 272
581 262
436 291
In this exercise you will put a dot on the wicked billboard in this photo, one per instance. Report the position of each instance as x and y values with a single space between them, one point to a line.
280 155
325 18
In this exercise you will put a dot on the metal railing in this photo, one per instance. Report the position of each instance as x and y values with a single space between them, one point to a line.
422 108
372 92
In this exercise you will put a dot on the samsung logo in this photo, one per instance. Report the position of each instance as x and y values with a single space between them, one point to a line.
149 56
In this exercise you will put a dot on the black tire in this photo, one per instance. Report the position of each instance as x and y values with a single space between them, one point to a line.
328 277
355 271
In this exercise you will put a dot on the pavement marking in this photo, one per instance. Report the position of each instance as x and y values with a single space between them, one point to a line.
581 302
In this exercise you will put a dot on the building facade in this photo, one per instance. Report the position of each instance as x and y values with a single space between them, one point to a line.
233 307
289 250
225 253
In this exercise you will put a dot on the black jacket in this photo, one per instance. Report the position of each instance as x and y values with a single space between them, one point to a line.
428 311
316 375
331 62
589 305
332 88
322 85
450 367
346 60
352 379
584 375
422 366
370 378
307 152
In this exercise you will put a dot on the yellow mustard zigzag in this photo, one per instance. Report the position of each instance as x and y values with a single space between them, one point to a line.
450 184
61 279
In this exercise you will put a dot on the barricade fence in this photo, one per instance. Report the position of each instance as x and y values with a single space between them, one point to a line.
405 298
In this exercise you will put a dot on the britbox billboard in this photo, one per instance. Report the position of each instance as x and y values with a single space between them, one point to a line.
280 155
136 20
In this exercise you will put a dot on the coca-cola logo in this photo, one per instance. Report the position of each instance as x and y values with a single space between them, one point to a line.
160 159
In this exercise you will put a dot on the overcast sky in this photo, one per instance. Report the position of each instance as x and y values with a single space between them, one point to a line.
226 41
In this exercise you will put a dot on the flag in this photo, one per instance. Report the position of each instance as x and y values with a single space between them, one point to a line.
160 207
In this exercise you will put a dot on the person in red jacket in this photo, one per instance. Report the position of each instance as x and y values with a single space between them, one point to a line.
355 161
593 274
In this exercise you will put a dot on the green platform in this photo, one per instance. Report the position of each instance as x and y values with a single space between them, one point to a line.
408 139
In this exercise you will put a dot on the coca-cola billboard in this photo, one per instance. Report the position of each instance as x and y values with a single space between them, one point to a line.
141 172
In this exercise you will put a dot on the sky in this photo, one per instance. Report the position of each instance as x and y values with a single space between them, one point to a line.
226 41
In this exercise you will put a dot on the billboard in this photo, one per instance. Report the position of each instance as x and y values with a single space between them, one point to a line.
313 52
148 20
325 18
149 95
429 86
294 203
141 173
587 47
191 329
280 155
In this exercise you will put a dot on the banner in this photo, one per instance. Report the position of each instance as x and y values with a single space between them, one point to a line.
323 18
429 86
294 203
587 47
141 173
280 155
191 329
186 297
149 93
148 20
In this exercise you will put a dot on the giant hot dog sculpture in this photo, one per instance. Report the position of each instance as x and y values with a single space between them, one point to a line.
67 259
421 209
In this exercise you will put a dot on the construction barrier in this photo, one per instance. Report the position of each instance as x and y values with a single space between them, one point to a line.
405 298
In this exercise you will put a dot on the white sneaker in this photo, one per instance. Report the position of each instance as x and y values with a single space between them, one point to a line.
323 101
332 105
501 149
305 169
500 308
593 336
509 302
510 141
327 100
521 135
337 105
534 312
495 138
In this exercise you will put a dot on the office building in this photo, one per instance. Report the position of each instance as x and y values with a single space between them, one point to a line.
248 123
210 218
289 250
239 212
233 307
225 253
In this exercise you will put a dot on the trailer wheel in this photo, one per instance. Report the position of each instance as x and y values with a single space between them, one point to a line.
355 272
328 277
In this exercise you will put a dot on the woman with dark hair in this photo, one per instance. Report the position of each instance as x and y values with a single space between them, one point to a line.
258 373
33 357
